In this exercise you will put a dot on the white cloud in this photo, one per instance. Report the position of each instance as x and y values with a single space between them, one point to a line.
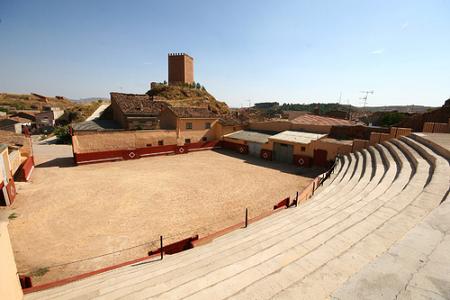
404 26
377 51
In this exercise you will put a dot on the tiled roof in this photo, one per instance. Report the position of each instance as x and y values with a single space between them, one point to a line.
137 104
7 122
20 120
193 112
230 122
320 120
96 125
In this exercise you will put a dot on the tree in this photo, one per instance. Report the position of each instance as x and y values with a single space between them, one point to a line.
198 86
165 82
63 134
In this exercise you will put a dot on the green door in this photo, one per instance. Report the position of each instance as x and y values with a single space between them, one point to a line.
283 152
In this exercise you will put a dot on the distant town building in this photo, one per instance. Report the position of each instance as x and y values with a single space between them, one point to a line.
181 69
47 118
136 111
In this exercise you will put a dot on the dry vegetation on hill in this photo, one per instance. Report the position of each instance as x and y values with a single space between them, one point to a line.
76 111
27 101
188 96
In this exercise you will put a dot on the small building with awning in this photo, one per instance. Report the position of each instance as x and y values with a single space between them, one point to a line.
244 141
297 147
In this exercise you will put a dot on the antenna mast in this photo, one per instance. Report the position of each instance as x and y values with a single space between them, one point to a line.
364 99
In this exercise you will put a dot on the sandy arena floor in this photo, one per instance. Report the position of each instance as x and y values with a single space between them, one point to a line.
69 213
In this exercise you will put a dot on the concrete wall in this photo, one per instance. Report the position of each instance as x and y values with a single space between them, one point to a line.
9 280
333 148
198 130
360 144
6 165
167 120
15 160
121 140
312 128
271 126
118 115
282 125
433 127
220 130
22 141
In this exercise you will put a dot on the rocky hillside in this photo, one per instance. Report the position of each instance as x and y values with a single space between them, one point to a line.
29 101
76 112
188 96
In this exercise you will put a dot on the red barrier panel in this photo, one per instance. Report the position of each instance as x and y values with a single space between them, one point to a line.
282 203
182 150
25 281
26 169
93 157
243 149
266 154
98 156
11 189
203 145
302 161
155 150
130 154
177 246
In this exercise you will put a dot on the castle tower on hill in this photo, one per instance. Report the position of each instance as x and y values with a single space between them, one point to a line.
181 68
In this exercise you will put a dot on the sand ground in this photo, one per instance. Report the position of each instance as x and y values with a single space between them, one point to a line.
69 213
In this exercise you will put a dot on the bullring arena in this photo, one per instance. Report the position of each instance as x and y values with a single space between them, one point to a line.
70 215
378 228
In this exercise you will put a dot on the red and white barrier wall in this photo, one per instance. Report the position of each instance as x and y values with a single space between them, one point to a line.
112 155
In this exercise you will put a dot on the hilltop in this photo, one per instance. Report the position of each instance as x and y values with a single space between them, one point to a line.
188 96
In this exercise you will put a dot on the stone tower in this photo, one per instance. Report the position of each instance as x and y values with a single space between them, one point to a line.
181 68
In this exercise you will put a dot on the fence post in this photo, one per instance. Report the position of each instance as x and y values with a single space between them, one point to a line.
161 246
246 217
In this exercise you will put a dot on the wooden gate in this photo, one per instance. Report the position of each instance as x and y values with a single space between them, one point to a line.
320 157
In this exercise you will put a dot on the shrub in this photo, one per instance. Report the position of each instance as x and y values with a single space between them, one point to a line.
63 134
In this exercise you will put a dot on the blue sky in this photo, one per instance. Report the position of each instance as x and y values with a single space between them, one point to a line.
286 51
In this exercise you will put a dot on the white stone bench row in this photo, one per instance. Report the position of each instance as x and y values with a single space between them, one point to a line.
417 266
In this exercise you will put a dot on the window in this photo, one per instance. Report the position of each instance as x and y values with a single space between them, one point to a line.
204 139
303 149
161 143
207 125
149 145
189 125
187 141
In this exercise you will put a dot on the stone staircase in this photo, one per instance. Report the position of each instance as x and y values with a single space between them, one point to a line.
375 229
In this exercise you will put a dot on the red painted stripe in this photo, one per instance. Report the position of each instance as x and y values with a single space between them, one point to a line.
84 275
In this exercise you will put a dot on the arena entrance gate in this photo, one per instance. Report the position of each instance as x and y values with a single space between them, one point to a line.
283 152
320 157
254 148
